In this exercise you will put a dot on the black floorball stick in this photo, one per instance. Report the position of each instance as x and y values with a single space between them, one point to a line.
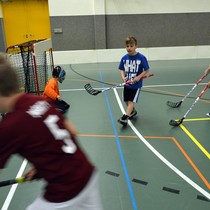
177 104
95 92
12 181
17 180
178 122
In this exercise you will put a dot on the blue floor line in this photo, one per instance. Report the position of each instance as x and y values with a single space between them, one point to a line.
120 150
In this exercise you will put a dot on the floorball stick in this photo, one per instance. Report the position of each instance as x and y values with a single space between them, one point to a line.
95 92
178 122
177 104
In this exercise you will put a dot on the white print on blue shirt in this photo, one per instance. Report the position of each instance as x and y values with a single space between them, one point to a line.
131 68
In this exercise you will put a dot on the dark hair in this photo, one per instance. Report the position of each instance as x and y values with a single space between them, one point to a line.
8 77
56 71
130 40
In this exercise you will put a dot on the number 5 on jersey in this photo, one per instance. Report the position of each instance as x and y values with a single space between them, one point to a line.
60 134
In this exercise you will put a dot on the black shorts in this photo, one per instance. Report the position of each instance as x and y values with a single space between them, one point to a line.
62 105
131 94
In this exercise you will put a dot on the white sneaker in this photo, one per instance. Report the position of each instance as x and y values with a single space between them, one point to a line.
208 114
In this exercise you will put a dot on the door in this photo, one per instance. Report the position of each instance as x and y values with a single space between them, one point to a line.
25 20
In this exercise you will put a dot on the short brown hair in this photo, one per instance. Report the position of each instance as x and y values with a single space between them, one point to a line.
131 40
8 77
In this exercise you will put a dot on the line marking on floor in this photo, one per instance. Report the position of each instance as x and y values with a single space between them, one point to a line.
188 159
168 189
127 178
196 142
155 152
159 137
163 91
191 163
14 186
148 87
170 93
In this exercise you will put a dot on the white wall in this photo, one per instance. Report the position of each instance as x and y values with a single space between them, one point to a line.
114 55
76 7
156 6
91 7
71 7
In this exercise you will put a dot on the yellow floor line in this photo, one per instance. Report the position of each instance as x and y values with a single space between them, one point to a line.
195 141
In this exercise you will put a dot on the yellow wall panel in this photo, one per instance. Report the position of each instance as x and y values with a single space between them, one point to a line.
25 20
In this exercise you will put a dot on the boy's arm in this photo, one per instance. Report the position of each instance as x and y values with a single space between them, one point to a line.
30 173
122 73
70 127
137 78
207 71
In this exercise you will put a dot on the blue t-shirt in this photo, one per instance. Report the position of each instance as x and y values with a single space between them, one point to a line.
134 66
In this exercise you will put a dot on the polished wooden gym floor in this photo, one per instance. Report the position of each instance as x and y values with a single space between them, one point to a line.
148 165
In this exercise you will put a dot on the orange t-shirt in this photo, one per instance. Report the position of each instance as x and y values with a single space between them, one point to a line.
51 89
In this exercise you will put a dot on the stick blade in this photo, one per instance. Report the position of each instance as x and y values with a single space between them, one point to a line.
91 91
175 122
174 104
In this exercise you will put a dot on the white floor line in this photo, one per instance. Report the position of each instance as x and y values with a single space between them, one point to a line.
154 86
164 160
14 186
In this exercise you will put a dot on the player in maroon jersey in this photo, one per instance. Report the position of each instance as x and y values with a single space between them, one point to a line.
34 129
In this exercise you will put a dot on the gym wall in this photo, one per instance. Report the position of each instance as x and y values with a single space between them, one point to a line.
104 24
96 29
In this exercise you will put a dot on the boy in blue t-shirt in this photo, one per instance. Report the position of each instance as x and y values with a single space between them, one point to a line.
133 66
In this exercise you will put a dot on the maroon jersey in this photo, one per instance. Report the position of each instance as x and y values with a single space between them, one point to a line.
35 131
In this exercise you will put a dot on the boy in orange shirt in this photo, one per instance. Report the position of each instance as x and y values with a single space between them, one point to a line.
52 92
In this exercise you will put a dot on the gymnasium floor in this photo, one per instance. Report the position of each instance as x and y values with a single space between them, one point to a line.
148 165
